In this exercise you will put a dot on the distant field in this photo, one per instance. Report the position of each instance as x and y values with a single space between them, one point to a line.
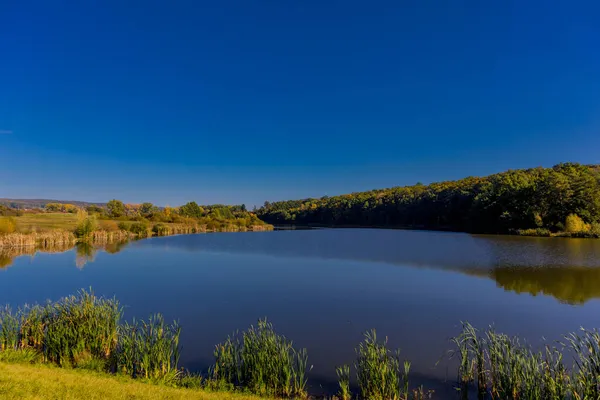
51 221
45 222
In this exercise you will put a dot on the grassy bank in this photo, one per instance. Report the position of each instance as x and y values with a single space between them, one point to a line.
46 382
51 230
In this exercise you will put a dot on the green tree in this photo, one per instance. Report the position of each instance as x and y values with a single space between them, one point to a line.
94 209
148 210
191 209
115 208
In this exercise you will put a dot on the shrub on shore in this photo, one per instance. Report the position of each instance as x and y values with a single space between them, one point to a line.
86 224
7 225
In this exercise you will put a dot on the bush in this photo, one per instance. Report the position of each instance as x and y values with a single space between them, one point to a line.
7 225
213 225
110 226
124 226
575 224
534 232
160 229
86 224
139 228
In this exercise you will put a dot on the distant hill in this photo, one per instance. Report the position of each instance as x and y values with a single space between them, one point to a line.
40 203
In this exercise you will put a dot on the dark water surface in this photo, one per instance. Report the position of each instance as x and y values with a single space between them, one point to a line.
324 288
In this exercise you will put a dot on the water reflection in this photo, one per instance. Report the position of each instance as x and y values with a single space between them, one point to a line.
572 285
566 269
84 252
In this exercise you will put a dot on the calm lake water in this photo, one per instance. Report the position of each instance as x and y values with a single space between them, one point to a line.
324 288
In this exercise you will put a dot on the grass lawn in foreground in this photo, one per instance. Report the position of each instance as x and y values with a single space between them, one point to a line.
44 382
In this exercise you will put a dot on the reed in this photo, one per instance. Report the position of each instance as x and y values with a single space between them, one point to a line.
73 327
149 349
161 229
262 362
380 373
585 347
81 325
507 368
343 374
261 228
105 237
9 329
40 239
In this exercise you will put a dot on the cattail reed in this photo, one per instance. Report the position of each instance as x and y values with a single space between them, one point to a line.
261 361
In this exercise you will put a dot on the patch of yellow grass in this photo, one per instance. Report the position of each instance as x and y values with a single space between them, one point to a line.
44 222
42 382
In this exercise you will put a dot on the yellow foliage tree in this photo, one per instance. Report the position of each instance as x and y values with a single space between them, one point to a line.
7 225
574 224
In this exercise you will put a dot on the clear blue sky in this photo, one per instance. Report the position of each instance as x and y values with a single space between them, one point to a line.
246 101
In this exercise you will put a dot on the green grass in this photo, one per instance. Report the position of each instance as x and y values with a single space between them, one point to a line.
45 222
43 382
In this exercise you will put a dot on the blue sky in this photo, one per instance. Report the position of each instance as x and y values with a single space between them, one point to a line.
247 101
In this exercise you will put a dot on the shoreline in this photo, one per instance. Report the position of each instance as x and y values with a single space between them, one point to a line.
517 233
61 237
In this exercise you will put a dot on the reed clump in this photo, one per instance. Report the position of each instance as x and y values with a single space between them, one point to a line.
261 361
149 349
343 374
503 367
84 331
161 229
39 239
380 373
65 330
260 228
104 236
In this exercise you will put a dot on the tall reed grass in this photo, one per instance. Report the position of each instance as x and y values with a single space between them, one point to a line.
261 361
149 349
343 374
84 330
503 367
381 374
105 237
40 239
64 331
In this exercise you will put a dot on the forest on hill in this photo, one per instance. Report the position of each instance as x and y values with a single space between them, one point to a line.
542 201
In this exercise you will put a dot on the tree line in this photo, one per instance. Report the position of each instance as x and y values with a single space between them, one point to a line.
538 200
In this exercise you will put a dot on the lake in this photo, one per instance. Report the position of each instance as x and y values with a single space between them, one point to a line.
323 288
